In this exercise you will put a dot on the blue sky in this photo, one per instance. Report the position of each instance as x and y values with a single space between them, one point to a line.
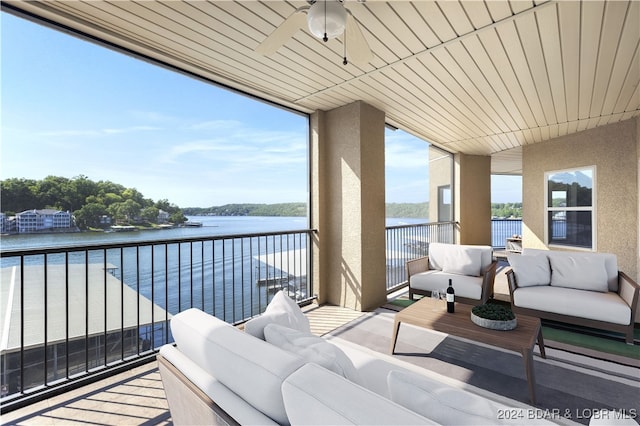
72 108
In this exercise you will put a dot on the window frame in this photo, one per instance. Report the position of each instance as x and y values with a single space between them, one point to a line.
442 195
592 209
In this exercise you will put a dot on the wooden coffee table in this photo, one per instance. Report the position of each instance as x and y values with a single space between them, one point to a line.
432 314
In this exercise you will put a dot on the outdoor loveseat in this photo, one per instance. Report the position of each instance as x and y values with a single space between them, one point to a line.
471 269
580 288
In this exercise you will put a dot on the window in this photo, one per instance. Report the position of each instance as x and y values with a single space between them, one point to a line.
570 208
444 203
116 122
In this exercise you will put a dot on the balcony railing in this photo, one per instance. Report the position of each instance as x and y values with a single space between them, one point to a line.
406 242
501 229
82 311
75 312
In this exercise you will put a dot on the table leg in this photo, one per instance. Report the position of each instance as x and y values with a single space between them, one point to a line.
527 355
541 343
394 336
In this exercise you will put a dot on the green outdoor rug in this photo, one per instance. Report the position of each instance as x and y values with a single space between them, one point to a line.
401 302
587 341
574 340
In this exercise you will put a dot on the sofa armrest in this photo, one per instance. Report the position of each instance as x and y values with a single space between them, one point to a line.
628 290
488 278
189 404
196 397
415 266
513 284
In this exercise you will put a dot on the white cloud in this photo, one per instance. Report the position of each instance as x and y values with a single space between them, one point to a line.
69 133
216 125
96 132
130 129
152 116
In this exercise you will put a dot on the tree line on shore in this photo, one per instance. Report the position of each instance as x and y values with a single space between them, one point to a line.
393 210
408 210
89 201
506 210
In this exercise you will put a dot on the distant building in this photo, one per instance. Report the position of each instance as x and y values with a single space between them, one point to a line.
105 220
163 217
8 224
3 223
40 220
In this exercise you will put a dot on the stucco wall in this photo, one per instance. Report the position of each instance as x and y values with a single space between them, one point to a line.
348 199
440 174
615 151
638 218
473 198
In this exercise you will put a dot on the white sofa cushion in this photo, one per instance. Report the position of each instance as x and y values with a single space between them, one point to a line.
313 349
605 417
235 406
438 253
374 368
610 262
464 285
281 310
463 260
530 270
250 367
593 305
580 272
315 395
443 404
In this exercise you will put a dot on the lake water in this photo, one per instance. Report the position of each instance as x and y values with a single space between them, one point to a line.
229 278
219 276
211 226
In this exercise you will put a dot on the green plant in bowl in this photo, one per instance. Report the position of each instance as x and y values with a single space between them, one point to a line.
493 312
494 316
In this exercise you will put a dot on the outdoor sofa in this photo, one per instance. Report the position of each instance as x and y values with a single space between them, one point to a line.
219 374
471 268
581 288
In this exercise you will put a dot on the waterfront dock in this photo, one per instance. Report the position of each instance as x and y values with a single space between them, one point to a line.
77 303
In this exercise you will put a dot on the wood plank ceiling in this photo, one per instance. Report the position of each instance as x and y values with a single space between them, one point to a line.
472 76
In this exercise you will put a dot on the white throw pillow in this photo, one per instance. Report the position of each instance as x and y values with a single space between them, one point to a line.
441 403
530 270
281 310
579 272
313 349
463 261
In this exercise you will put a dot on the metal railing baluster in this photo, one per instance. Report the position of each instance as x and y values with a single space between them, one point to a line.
274 259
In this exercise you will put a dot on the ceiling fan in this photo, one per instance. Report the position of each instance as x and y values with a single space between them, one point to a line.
325 19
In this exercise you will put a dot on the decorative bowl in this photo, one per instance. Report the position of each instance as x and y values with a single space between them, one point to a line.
493 316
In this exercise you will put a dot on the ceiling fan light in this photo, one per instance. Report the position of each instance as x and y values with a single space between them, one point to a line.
332 24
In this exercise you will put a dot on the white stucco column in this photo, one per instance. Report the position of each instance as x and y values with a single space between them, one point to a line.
348 206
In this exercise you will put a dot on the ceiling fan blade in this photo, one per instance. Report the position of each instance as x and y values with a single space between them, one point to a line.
283 32
358 50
